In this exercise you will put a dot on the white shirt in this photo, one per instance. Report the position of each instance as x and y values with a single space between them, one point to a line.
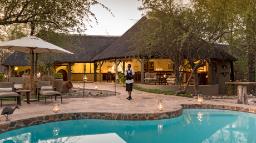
129 81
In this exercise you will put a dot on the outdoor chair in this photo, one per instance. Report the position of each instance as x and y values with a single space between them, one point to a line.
171 79
150 77
19 82
45 89
7 91
62 86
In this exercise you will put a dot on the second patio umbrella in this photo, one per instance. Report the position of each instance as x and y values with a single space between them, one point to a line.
32 45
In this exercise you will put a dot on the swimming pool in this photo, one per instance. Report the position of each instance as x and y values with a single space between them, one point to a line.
194 126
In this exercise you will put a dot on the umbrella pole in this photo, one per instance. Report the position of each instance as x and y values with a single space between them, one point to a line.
32 71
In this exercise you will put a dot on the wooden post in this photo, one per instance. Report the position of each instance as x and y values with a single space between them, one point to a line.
210 72
123 66
242 94
69 72
116 70
9 72
95 71
116 74
142 78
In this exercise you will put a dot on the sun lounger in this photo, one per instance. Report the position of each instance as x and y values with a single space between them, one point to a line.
7 92
45 89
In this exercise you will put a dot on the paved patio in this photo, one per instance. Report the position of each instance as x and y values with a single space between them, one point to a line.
142 103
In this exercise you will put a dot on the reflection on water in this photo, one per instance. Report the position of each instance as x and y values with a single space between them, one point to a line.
22 138
55 131
194 126
200 116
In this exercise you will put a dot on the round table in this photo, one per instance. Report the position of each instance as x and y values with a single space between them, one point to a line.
241 90
26 92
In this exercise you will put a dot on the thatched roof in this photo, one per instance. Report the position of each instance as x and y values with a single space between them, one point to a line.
83 47
127 46
124 46
17 59
96 48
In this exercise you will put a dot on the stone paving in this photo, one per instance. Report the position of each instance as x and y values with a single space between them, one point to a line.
143 104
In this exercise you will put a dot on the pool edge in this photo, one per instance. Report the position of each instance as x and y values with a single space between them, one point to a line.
16 124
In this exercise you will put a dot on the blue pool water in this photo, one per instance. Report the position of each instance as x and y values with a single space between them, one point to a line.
194 126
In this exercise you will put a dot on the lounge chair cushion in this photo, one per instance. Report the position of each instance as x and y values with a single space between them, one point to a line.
6 89
49 92
46 88
8 94
18 86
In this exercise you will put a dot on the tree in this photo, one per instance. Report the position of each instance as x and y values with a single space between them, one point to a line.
176 32
56 15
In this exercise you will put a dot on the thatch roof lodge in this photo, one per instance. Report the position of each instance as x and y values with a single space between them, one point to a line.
95 49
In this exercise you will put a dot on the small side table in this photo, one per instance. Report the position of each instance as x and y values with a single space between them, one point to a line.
26 92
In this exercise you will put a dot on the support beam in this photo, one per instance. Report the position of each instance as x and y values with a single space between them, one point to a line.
9 72
142 62
95 71
69 71
116 70
123 66
210 73
232 74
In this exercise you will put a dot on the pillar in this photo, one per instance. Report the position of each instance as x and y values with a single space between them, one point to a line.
95 71
69 71
232 74
116 71
123 66
142 77
210 72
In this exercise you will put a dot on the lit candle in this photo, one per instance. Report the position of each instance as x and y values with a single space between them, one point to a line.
38 75
160 105
85 78
96 87
56 108
200 99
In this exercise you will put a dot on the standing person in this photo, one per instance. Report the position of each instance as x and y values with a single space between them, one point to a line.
129 81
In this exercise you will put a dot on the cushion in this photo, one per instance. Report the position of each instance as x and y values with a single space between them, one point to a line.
5 89
46 88
49 92
9 94
18 86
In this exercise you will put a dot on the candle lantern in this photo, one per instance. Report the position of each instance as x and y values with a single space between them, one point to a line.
56 108
200 99
160 105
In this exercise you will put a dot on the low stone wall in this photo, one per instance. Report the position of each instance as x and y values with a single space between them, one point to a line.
79 92
7 126
220 107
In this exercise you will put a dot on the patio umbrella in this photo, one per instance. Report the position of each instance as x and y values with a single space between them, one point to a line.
32 45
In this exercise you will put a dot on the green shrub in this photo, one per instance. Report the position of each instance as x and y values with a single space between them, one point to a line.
2 76
121 78
58 75
154 90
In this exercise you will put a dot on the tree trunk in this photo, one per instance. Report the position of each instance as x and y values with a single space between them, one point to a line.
195 84
177 73
251 66
193 73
